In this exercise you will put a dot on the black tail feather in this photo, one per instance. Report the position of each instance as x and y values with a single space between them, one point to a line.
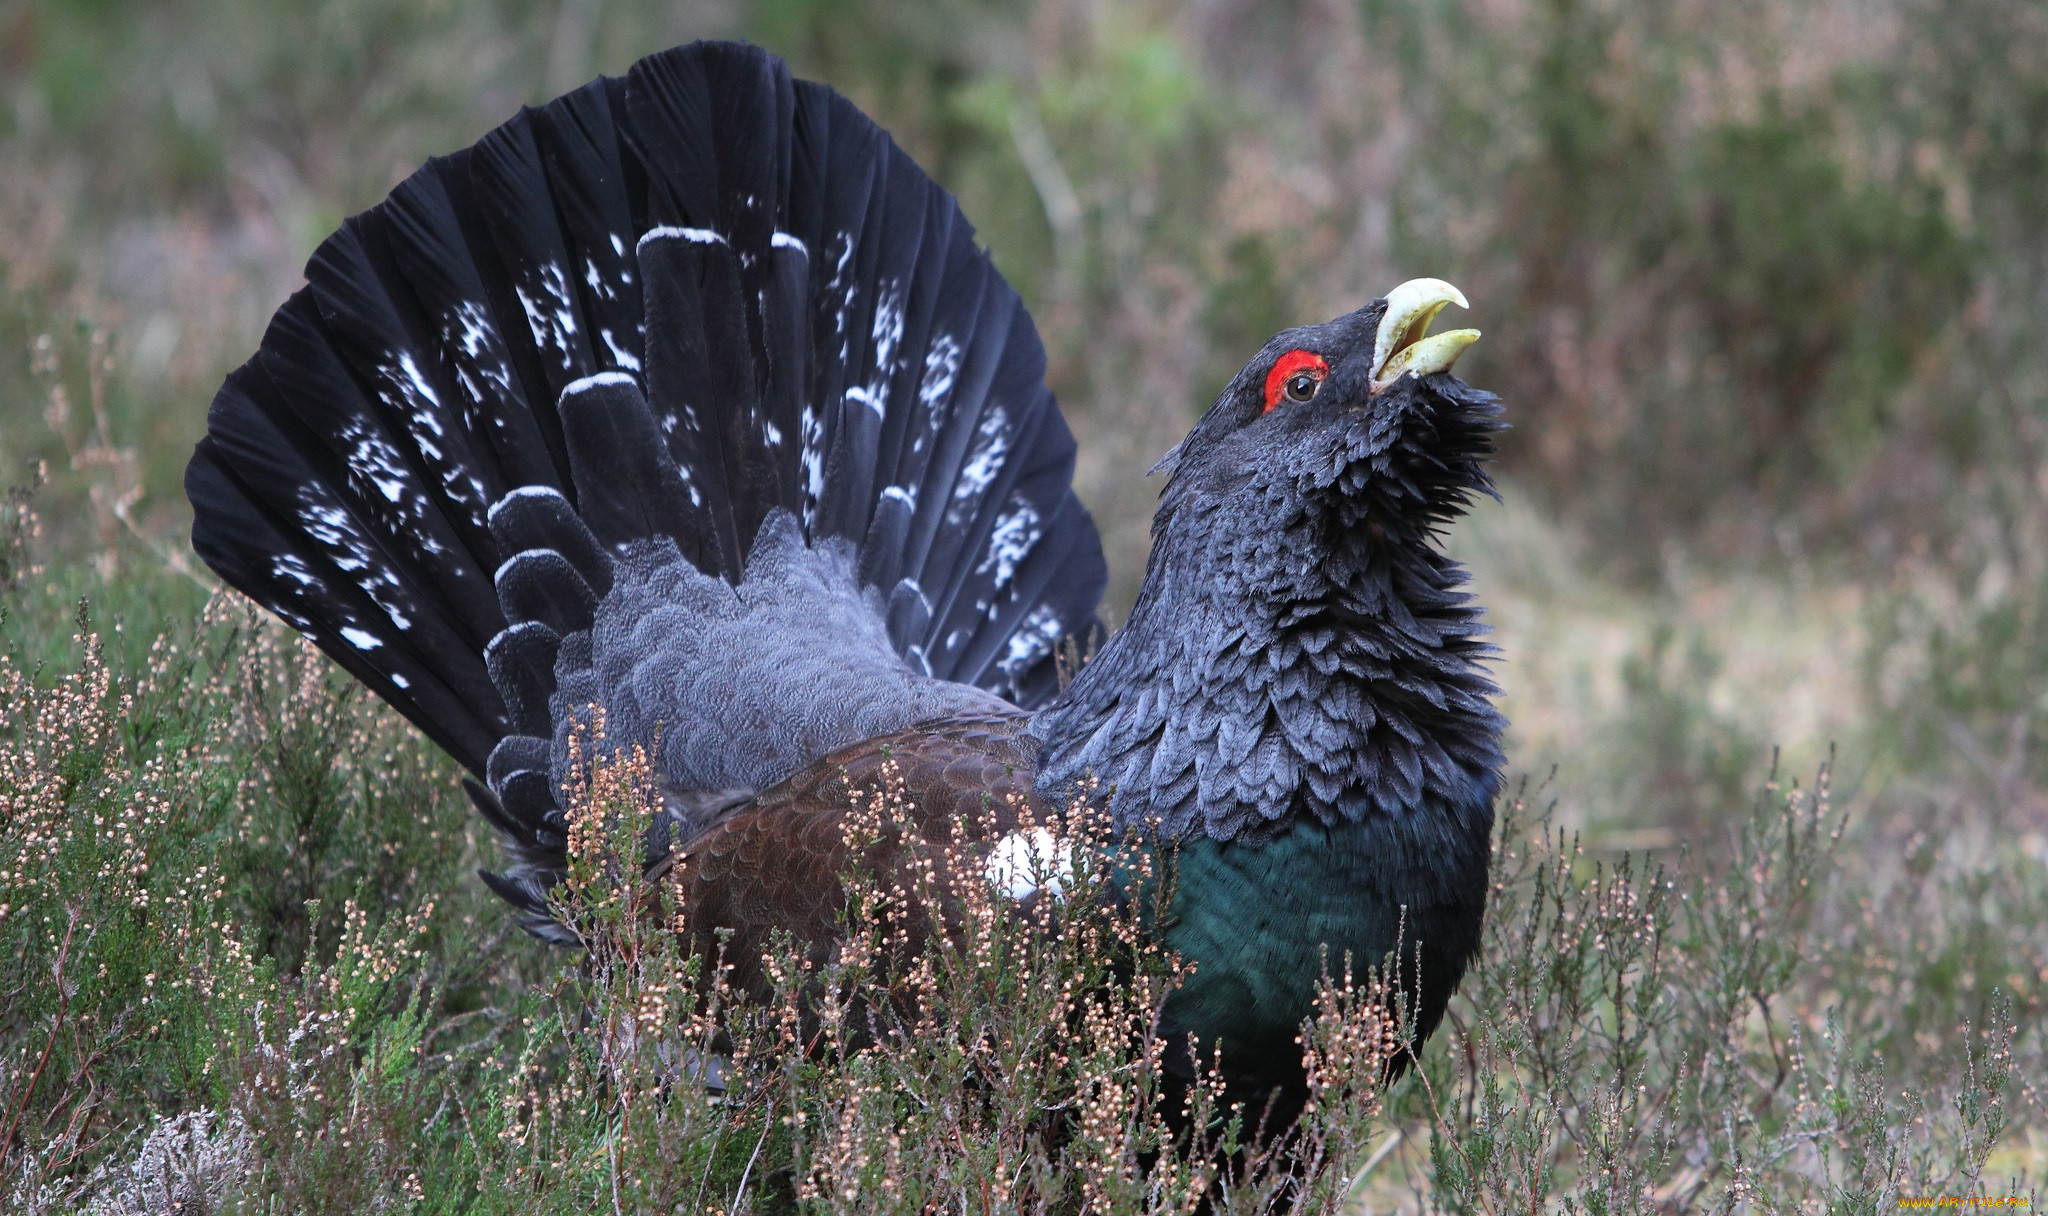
592 183
536 517
627 487
430 254
510 189
540 585
663 306
269 524
694 324
521 662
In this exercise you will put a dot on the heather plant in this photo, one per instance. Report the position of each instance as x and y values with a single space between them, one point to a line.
954 1047
1743 1032
1648 1040
148 996
98 896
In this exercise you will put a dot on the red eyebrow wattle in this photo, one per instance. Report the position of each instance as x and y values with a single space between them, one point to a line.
1287 365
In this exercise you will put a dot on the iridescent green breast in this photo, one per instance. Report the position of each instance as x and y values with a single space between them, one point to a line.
1262 921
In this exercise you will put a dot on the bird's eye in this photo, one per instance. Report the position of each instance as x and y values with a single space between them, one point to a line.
1295 376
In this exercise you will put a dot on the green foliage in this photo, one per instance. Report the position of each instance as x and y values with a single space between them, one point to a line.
1721 283
1685 764
1729 261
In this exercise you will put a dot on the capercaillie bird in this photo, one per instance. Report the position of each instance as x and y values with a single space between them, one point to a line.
689 397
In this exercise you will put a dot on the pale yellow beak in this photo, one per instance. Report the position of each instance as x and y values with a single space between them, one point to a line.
1405 344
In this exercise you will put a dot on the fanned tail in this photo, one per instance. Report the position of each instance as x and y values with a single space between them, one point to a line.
632 330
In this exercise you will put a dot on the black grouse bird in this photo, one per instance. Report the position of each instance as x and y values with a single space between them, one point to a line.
688 395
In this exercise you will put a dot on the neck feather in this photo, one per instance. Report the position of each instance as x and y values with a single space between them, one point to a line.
1315 664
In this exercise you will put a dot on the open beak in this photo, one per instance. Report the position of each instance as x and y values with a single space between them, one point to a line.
1405 343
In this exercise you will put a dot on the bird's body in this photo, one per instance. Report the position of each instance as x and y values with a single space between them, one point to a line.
688 401
777 863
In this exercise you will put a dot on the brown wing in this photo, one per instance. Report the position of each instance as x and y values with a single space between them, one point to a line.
777 863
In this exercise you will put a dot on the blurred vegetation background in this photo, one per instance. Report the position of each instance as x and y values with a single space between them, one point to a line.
1763 282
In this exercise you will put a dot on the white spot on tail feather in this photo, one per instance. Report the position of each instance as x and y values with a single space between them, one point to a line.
480 369
812 459
941 365
842 292
416 389
620 355
696 236
887 330
292 568
1011 539
1035 637
475 337
984 461
372 460
405 389
331 527
586 383
550 311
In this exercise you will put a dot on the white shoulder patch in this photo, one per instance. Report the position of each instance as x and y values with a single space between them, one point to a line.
1024 863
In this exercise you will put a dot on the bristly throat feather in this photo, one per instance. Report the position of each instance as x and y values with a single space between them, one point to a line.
1304 664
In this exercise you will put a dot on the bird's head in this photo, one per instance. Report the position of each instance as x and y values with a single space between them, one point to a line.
1301 642
1362 410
